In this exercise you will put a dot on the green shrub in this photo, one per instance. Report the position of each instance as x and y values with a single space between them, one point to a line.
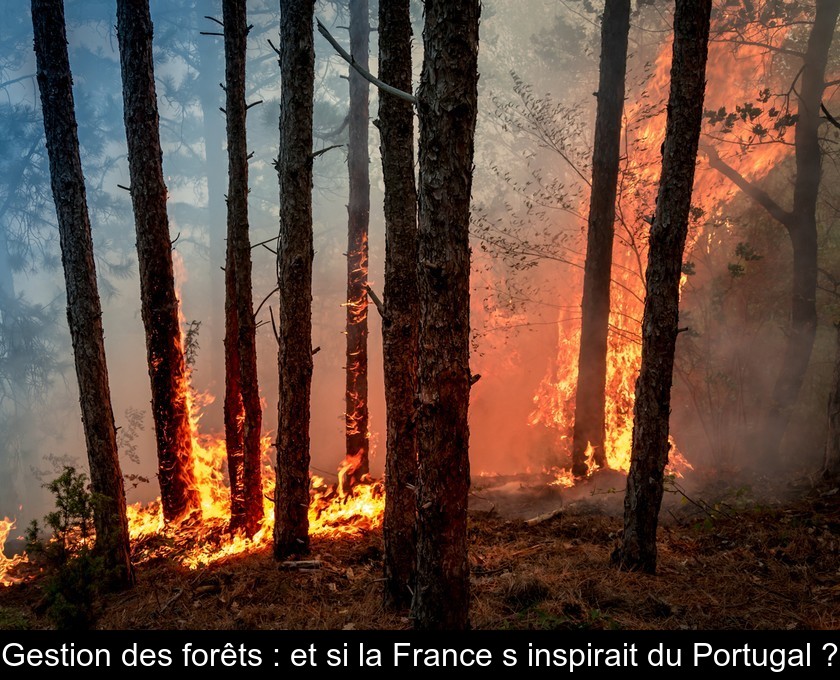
75 573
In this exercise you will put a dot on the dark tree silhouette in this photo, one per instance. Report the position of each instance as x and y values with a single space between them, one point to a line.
243 412
84 311
400 307
589 429
159 303
294 276
831 462
447 104
668 232
800 223
356 463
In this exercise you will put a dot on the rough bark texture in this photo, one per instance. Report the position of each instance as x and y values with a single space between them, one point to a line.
399 320
240 335
661 315
802 227
595 307
831 465
447 103
294 276
356 462
84 312
159 303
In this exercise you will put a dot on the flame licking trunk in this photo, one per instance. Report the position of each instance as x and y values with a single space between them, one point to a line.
356 462
731 77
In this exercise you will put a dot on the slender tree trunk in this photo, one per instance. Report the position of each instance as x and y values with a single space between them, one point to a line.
589 427
447 103
234 411
399 320
802 227
661 315
213 132
356 462
159 303
241 328
84 312
831 464
294 276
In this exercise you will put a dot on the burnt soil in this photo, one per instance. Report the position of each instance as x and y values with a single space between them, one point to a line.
753 554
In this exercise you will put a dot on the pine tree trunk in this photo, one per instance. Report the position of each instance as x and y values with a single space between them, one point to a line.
159 303
84 312
447 103
234 411
661 315
802 227
356 463
595 307
294 276
399 321
831 464
210 64
241 328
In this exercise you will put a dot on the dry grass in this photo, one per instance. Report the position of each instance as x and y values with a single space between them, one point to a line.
740 563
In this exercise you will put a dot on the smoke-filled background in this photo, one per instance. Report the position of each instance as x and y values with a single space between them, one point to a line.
539 69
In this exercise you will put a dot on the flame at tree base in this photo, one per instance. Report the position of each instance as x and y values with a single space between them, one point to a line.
201 539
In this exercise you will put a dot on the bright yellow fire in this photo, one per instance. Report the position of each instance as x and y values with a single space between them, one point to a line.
731 79
7 564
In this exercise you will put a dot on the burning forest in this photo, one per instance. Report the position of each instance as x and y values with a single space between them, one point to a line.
433 315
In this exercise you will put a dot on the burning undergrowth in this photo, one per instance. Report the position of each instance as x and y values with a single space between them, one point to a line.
762 554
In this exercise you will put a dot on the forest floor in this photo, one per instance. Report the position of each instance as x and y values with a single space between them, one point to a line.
752 554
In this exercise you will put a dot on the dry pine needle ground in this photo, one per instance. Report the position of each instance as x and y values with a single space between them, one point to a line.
737 563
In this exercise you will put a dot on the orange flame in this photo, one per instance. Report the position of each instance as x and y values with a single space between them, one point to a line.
731 72
197 542
8 564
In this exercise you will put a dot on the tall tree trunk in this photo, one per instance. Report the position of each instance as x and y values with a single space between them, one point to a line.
447 103
213 132
159 303
661 315
399 319
802 227
240 337
356 462
831 463
294 276
84 312
589 427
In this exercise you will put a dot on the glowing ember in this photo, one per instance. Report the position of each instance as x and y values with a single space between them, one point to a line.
730 76
7 564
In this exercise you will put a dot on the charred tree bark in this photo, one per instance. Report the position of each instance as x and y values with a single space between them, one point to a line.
399 320
294 276
447 103
234 411
800 223
159 303
240 332
356 462
595 306
661 315
831 464
84 312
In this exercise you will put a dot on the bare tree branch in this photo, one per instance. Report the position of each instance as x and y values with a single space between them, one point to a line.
362 72
380 307
758 195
